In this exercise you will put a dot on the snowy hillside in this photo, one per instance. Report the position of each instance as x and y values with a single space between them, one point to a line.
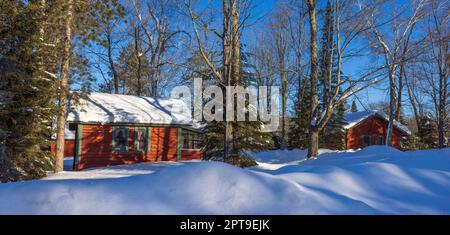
375 180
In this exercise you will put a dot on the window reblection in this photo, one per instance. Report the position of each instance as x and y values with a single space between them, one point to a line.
191 139
120 139
377 140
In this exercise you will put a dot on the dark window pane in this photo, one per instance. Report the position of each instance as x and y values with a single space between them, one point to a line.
366 141
191 140
379 140
120 140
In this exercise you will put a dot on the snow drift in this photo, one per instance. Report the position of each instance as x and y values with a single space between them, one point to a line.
375 180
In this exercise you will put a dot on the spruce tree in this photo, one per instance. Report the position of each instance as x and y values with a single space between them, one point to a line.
299 129
426 131
27 85
247 135
333 134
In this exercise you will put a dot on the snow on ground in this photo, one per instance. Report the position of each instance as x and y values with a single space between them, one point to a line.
275 159
375 180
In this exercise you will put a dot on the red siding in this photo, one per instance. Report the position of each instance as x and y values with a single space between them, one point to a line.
372 126
96 147
69 147
190 154
164 144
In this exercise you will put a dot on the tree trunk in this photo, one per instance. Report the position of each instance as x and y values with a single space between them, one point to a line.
111 61
398 109
412 99
442 113
61 123
313 134
226 76
139 63
283 102
235 44
392 105
313 141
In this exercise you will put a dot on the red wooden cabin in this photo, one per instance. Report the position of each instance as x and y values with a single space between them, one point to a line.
69 143
370 128
121 129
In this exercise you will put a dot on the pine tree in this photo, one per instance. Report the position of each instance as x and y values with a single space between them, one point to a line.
299 129
354 107
333 134
247 134
26 90
426 131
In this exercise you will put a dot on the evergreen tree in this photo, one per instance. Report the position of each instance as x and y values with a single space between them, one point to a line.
27 89
426 131
247 134
299 128
333 134
354 107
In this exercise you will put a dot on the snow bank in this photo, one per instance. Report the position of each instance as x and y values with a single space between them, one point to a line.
275 159
196 188
387 179
375 180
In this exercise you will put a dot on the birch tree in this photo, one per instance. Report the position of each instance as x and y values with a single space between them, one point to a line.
394 47
438 60
349 25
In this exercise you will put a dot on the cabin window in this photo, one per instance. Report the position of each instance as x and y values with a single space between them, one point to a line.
140 139
365 140
72 126
379 140
120 139
191 139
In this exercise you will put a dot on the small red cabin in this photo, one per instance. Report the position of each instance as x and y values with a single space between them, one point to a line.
122 129
370 128
69 143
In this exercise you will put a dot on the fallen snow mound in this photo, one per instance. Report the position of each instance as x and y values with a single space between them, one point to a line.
197 188
375 180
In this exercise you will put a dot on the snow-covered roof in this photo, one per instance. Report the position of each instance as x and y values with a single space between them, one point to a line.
355 118
111 108
68 134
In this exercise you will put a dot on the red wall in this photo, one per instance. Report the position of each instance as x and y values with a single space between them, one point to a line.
69 147
164 144
372 126
96 147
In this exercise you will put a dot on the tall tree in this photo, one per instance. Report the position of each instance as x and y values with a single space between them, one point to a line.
280 28
394 54
313 130
108 17
27 85
438 32
231 61
155 28
346 31
63 87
